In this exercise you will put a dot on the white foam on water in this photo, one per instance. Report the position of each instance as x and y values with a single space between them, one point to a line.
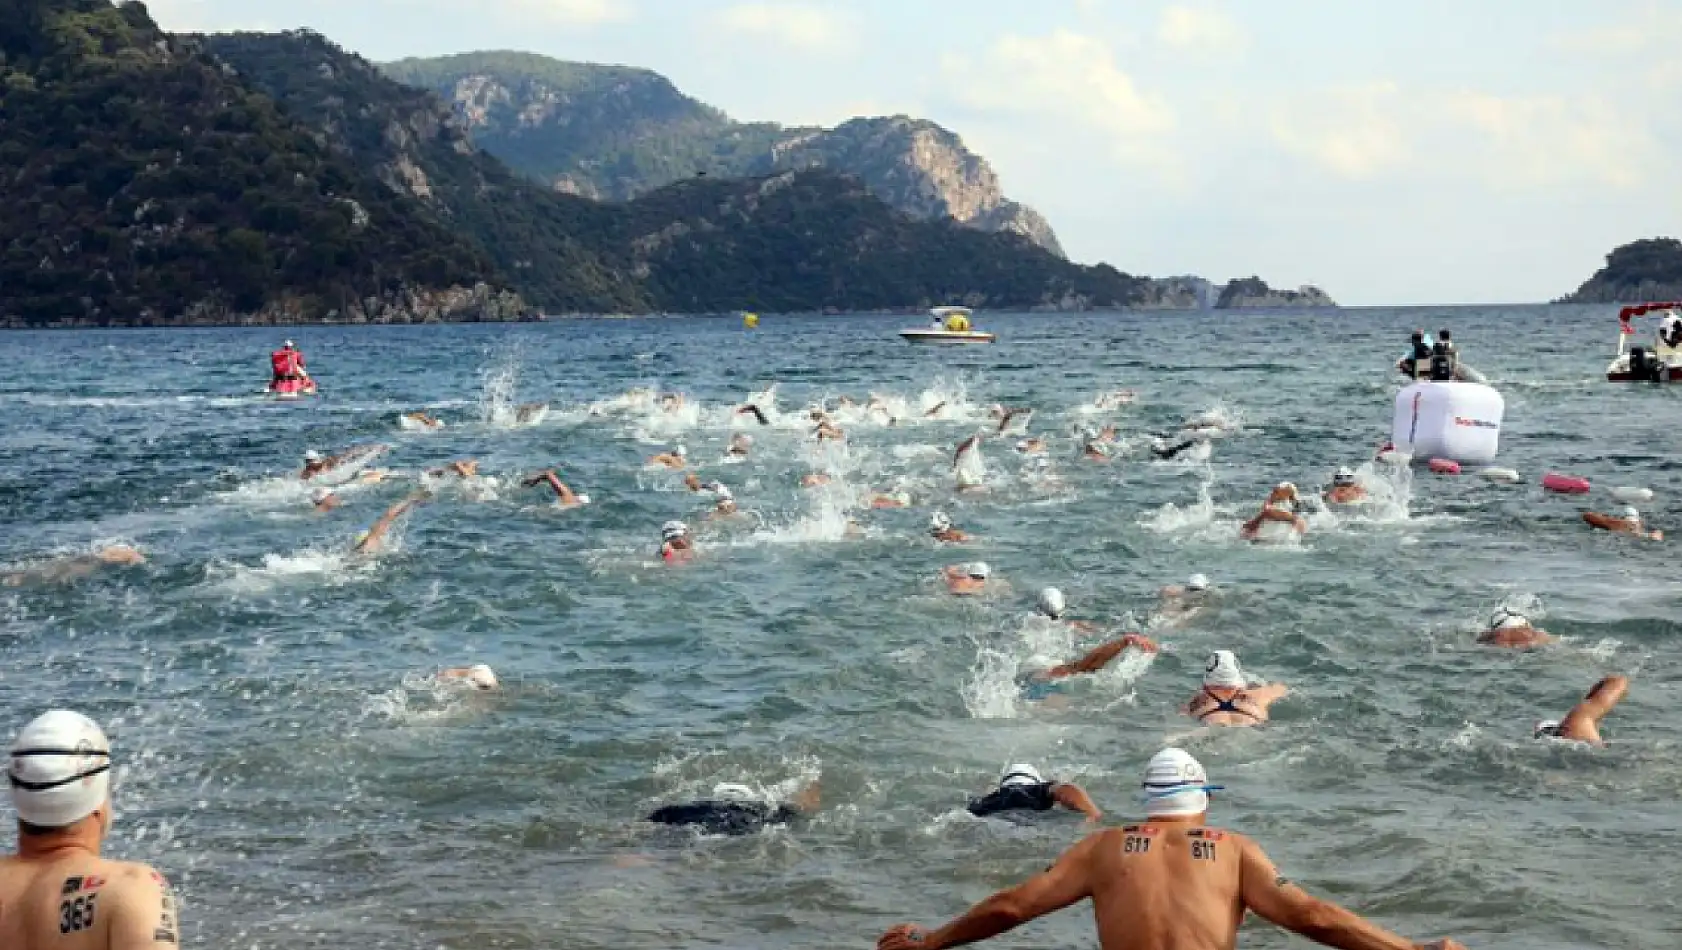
1174 519
407 424
970 468
499 380
276 570
989 691
421 699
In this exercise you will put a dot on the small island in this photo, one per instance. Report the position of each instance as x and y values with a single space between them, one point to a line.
1649 269
1254 293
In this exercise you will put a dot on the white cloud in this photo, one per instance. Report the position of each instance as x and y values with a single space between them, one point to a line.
1541 141
807 28
561 12
1200 30
1069 77
1656 29
1354 132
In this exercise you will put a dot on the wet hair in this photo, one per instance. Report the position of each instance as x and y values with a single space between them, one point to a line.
1419 334
1442 334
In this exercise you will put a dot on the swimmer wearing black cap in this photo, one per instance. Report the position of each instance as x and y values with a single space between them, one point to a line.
1582 723
1022 789
57 892
736 811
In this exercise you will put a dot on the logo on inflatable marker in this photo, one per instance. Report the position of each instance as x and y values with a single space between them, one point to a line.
1476 423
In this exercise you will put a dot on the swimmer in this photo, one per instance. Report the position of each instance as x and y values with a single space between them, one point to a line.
726 506
324 500
939 407
828 432
675 543
1178 603
1114 400
424 420
942 530
564 495
967 580
739 445
752 410
1008 416
1582 723
1051 606
530 413
1509 628
1034 445
1022 788
1038 685
1108 435
317 463
60 776
1192 590
814 479
1281 506
1227 699
898 499
678 457
1165 450
1345 490
1168 883
478 676
1095 451
971 444
1627 521
462 468
372 541
736 811
65 569
693 482
672 402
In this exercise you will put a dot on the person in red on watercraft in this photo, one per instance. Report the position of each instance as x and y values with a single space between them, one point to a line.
288 365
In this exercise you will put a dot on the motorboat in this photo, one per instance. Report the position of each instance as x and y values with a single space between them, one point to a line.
951 325
1660 363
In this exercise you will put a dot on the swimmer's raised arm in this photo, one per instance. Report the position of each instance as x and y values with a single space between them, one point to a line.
1062 884
1583 721
1074 798
1267 892
1268 693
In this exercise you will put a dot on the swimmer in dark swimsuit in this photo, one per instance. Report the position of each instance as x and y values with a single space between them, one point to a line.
1162 450
737 812
1582 723
752 410
1022 789
1226 698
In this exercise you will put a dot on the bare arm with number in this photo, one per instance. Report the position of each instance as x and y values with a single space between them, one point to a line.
1062 884
143 911
1273 897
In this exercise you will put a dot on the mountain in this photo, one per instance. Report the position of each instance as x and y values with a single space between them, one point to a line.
616 132
1248 292
1640 271
790 241
143 184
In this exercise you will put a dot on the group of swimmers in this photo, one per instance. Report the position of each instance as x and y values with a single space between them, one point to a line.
1152 882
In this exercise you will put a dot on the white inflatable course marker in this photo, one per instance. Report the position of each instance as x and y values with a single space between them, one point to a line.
1459 421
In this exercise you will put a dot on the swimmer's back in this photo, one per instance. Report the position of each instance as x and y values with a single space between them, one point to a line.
79 902
1167 887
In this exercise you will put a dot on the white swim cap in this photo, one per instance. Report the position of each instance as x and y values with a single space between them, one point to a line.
1546 729
288 342
1051 602
1176 785
1021 775
1630 514
672 530
939 521
743 438
1506 618
60 770
1197 582
1287 487
1221 669
312 456
320 495
680 452
1344 476
482 676
582 498
979 570
734 792
723 492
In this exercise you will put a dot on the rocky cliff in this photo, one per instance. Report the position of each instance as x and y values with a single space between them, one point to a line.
1253 292
143 183
616 132
1636 272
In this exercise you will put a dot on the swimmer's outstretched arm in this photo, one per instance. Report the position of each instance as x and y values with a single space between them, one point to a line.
1267 892
1101 656
376 534
1074 798
1062 884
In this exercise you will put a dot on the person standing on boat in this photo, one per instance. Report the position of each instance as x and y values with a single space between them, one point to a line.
288 365
1670 331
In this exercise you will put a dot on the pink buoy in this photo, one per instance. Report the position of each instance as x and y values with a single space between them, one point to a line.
1445 466
1565 484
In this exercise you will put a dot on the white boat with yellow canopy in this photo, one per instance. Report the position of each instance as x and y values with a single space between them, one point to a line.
951 325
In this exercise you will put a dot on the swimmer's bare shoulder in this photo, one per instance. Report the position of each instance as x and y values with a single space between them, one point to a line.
86 904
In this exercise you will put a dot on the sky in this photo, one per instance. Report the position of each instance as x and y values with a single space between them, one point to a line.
1429 152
